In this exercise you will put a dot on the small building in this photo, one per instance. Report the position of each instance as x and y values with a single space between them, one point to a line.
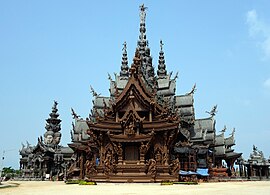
47 159
257 166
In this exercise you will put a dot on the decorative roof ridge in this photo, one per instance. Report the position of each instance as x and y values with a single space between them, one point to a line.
201 119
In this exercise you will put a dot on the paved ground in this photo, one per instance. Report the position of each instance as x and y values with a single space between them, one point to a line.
50 188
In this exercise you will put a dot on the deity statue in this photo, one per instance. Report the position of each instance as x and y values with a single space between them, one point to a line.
158 156
48 137
57 138
130 129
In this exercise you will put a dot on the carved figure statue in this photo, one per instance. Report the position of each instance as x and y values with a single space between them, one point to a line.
158 156
119 150
57 138
130 129
144 148
48 137
165 157
175 167
90 168
142 13
152 169
108 162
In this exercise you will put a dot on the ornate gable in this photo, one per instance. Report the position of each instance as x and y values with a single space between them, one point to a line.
136 101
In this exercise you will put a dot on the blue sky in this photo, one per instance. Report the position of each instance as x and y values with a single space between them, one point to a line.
54 50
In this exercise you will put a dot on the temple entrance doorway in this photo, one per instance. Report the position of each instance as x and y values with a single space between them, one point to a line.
131 152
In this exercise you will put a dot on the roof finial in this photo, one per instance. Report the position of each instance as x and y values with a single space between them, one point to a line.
54 108
224 129
213 112
142 13
124 67
233 132
142 38
193 91
161 45
73 113
125 46
161 72
94 93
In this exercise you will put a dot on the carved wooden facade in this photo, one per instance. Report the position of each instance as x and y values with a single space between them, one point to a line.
143 131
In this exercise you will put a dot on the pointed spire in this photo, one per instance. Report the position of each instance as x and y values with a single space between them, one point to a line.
149 69
161 72
54 113
124 67
53 126
141 44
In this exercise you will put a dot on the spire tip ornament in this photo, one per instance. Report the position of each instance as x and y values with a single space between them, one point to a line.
143 13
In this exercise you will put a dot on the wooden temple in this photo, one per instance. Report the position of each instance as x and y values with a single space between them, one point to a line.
47 159
144 132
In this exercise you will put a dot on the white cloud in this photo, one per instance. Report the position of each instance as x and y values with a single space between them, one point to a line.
260 31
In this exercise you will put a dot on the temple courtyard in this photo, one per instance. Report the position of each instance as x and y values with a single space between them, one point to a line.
48 187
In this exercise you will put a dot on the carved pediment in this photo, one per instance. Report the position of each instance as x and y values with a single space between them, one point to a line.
131 122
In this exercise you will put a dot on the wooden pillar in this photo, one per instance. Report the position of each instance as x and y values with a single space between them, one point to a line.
240 169
117 117
81 161
260 173
165 155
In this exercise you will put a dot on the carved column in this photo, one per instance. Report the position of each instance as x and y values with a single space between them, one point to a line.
101 153
143 150
81 163
165 155
120 153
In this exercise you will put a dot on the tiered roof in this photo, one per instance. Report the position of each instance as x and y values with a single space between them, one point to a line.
153 92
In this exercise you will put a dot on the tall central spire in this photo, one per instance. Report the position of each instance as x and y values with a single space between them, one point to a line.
147 68
142 38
